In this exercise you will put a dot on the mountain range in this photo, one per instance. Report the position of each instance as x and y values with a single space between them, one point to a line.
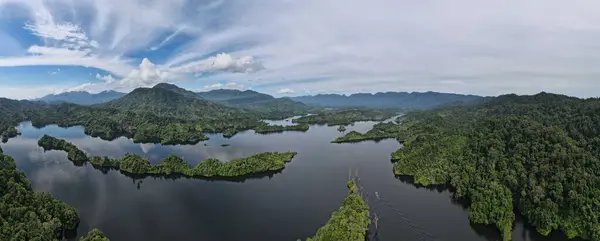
259 101
413 100
81 97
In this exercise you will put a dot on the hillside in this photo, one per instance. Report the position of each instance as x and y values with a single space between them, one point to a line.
414 100
537 155
248 99
171 101
81 97
234 97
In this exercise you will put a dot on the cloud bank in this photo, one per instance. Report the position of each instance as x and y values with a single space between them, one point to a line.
316 46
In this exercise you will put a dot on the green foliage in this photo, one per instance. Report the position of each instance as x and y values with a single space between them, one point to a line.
94 235
538 155
174 165
380 131
350 222
346 117
74 154
164 114
134 164
29 215
264 129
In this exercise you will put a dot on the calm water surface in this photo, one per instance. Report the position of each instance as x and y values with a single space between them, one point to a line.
288 205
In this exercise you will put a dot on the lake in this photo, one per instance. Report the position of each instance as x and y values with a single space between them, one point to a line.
288 205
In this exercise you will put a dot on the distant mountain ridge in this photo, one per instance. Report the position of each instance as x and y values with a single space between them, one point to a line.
260 101
253 100
81 97
413 100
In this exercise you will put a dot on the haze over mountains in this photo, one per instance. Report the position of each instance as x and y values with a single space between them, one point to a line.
414 100
253 99
81 97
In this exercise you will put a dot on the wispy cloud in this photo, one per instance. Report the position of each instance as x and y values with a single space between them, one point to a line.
349 46
285 91
230 85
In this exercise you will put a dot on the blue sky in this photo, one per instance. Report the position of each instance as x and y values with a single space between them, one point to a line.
299 47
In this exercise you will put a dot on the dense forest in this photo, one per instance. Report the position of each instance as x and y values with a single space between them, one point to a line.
29 215
264 129
346 116
380 131
163 114
537 155
350 222
173 165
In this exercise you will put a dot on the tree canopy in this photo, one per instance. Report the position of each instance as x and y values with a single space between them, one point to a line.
537 155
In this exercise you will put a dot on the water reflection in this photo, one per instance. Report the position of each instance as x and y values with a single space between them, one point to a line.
288 205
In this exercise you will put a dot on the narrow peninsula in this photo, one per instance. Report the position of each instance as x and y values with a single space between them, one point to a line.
350 222
174 165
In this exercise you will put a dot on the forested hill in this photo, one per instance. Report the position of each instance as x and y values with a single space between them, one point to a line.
234 96
537 155
81 97
256 101
414 100
171 101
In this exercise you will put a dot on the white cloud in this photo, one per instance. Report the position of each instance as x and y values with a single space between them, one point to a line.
148 74
396 45
230 85
45 27
222 63
285 91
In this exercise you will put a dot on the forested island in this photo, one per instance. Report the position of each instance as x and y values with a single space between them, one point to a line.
350 222
380 131
346 116
173 165
537 155
265 129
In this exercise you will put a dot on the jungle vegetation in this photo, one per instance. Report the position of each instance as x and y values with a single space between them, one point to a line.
94 235
264 129
173 165
380 131
346 116
350 222
537 155
29 215
163 114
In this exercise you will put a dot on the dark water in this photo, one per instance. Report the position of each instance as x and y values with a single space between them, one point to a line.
289 205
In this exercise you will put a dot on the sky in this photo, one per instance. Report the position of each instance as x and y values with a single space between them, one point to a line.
300 47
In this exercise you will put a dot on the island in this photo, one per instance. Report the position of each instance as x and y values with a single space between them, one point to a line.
341 128
265 129
346 116
173 165
380 131
350 222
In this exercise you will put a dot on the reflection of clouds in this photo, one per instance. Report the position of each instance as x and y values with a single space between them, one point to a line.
147 147
53 177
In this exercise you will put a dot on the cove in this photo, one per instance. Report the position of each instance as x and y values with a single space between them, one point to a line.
288 205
